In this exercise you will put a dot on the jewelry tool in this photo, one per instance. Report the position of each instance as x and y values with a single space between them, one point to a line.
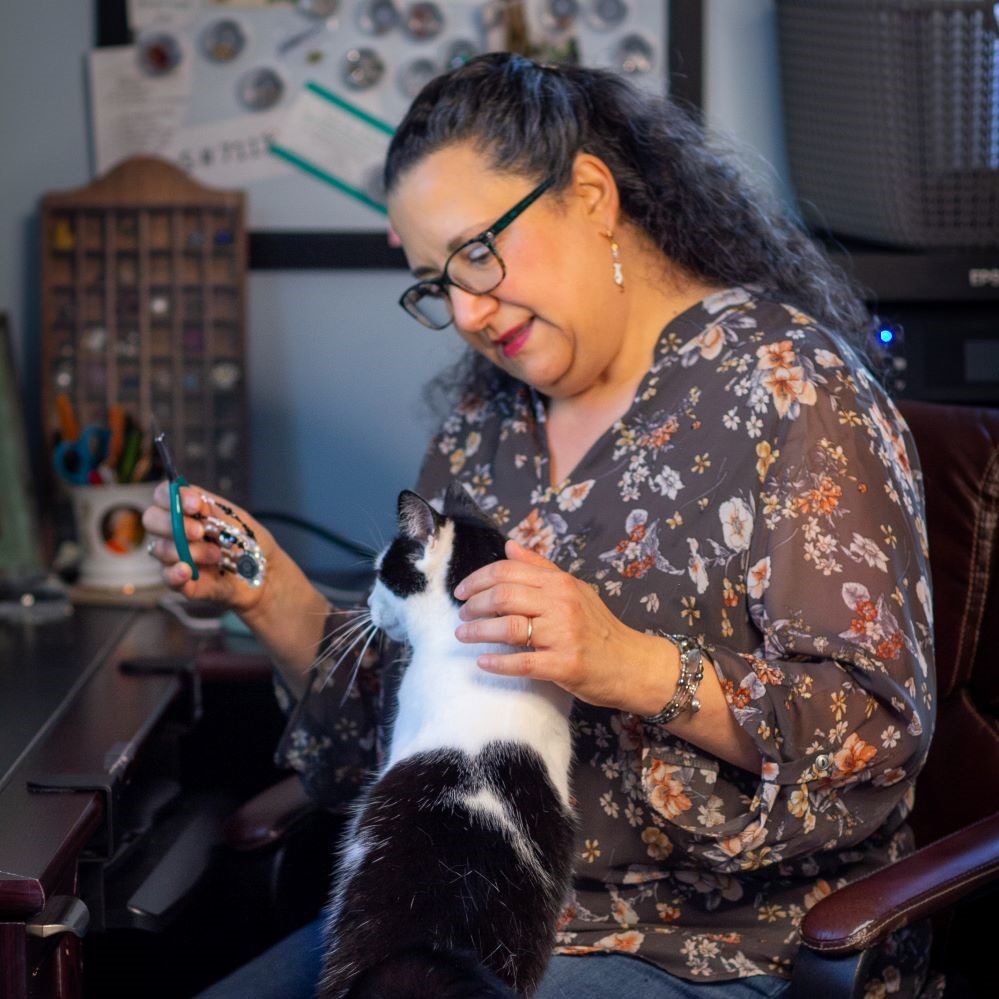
176 507
241 553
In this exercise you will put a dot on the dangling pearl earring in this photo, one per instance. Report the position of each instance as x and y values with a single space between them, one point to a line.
616 260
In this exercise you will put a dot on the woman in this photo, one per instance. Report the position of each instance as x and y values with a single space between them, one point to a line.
663 409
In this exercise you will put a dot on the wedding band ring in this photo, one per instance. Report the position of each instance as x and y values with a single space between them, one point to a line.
530 632
151 547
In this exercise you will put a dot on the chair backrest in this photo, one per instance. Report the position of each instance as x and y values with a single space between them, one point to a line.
959 452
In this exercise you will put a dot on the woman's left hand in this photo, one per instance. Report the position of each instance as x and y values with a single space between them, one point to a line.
575 640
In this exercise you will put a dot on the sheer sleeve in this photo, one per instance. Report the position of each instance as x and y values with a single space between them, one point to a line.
838 694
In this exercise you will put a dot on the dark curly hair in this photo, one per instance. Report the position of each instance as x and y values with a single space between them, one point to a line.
674 183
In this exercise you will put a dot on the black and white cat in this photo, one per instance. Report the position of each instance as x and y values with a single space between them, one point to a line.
458 857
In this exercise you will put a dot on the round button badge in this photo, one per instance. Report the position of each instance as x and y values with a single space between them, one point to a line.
159 53
223 40
260 89
362 68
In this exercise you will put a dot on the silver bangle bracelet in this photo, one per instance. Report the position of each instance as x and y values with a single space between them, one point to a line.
691 672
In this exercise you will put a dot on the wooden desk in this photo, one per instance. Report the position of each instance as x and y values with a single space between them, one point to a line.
68 710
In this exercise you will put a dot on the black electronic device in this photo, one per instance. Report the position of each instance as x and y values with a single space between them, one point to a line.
942 351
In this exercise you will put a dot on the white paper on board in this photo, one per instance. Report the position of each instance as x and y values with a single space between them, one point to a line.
229 153
335 141
166 14
132 113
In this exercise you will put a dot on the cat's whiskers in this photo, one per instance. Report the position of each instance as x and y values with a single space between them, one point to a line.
363 631
346 633
344 648
336 638
375 533
360 617
357 664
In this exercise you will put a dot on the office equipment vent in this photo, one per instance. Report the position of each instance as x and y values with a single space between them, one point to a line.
892 118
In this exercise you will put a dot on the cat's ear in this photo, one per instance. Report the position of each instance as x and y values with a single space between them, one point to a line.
418 520
458 502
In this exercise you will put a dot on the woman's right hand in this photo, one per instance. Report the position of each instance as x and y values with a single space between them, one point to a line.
227 588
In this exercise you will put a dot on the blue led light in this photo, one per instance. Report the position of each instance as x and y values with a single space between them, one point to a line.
886 336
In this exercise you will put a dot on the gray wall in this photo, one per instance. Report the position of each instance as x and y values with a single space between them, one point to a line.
335 367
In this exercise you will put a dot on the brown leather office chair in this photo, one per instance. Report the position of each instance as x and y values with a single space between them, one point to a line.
956 818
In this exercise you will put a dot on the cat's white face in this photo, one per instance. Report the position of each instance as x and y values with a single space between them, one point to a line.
418 571
411 589
388 612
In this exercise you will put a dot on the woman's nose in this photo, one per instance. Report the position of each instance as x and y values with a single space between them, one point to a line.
471 312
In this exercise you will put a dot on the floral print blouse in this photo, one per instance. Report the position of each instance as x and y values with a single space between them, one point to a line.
763 495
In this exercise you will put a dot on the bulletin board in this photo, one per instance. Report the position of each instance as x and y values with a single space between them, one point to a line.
223 76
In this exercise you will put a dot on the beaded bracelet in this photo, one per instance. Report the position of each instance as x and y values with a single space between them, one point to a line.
691 672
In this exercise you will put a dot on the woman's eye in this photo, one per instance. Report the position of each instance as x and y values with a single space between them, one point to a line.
477 254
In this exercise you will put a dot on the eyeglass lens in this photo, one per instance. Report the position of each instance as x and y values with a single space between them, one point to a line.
474 267
430 305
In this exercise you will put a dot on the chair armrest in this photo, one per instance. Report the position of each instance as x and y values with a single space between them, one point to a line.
861 914
269 817
224 666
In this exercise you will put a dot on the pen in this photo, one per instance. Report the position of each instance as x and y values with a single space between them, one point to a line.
176 508
116 424
108 468
130 455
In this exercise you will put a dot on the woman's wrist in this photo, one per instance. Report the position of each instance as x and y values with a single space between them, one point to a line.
652 679
684 700
289 618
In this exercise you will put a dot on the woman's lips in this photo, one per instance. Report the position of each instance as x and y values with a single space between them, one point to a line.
512 342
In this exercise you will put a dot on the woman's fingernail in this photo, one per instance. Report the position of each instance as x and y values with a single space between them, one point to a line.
460 590
461 632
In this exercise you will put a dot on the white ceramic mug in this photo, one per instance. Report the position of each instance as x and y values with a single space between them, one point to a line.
111 536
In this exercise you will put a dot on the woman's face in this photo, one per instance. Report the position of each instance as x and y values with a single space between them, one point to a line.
556 318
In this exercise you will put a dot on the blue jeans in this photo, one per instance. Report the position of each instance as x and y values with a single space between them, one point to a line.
290 970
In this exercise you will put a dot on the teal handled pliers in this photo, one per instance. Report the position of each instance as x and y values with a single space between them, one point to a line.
176 507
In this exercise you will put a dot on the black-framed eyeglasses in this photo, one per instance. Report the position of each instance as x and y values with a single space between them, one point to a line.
475 267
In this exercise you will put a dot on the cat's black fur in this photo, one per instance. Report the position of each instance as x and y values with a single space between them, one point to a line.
458 859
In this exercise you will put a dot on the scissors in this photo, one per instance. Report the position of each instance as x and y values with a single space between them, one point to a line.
176 509
77 461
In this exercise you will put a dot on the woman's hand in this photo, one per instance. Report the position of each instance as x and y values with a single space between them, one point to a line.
575 640
226 588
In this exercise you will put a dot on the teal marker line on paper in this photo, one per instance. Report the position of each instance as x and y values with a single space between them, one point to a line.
351 108
296 160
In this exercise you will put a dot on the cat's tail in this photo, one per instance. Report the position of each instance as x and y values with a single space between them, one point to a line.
430 974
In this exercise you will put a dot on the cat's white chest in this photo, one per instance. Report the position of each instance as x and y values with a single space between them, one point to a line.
447 702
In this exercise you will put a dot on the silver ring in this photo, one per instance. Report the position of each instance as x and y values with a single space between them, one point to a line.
151 548
530 632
